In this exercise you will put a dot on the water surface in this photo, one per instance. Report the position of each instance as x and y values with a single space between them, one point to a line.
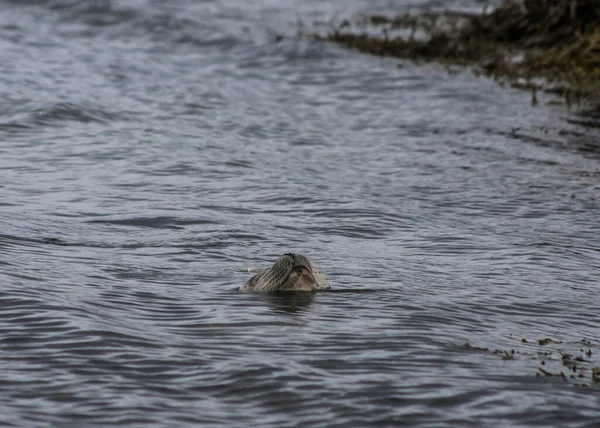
152 151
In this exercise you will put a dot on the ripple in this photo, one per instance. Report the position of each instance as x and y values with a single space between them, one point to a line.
156 222
152 151
57 114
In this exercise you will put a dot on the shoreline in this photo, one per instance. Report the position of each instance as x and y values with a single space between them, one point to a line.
537 45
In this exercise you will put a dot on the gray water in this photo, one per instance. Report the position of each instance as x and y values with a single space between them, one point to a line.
150 152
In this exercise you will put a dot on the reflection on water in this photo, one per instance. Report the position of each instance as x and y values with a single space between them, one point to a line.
290 302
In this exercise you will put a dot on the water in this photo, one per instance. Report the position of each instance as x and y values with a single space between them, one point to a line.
150 152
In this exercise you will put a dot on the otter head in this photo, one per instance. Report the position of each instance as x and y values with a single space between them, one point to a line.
290 272
301 276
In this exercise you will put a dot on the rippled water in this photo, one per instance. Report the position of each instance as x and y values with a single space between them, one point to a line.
152 151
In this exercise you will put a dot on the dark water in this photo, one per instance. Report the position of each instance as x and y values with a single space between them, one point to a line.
150 152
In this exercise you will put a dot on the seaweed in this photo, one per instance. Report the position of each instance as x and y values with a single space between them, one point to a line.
555 40
575 367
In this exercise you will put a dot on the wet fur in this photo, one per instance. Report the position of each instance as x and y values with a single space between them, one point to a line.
290 272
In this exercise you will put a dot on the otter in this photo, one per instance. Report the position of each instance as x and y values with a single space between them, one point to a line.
290 272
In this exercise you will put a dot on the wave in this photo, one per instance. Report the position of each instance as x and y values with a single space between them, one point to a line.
57 114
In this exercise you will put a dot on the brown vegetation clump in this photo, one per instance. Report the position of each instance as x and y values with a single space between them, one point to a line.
558 40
